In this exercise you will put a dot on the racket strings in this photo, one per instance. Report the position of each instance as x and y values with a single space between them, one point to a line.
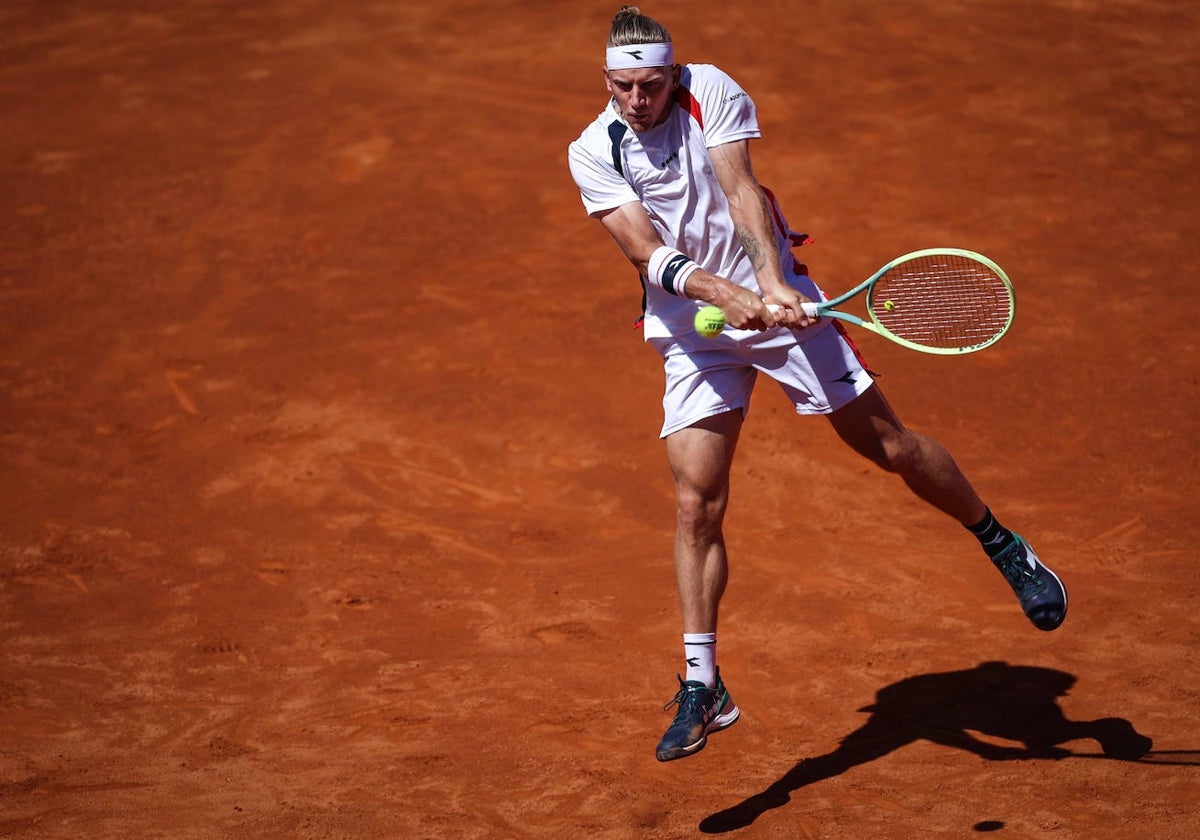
943 301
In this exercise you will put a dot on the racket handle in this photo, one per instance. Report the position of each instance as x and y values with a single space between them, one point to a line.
808 307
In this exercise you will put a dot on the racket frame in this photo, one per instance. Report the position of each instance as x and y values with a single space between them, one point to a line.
828 308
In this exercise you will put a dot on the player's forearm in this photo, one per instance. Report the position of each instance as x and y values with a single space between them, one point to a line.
755 229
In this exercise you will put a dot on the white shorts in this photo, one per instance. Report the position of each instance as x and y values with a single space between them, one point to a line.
819 375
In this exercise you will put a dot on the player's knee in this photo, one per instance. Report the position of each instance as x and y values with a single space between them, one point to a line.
699 514
897 453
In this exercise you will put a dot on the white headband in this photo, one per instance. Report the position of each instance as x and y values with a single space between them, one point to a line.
639 55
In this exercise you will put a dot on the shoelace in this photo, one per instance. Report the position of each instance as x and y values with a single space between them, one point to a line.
686 698
1016 571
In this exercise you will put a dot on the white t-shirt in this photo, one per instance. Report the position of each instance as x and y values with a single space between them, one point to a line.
669 170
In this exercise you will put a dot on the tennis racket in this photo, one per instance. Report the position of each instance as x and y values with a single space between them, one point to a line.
945 301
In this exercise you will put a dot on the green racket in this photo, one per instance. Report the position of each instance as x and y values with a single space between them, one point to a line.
945 301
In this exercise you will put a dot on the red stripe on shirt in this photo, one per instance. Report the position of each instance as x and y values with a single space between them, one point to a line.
689 103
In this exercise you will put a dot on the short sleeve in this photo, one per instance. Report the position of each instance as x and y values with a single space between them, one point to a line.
728 111
601 187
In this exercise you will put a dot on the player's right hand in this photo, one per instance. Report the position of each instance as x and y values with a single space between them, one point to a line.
745 310
785 305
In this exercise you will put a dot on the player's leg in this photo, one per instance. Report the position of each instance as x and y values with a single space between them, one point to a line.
870 426
824 375
700 457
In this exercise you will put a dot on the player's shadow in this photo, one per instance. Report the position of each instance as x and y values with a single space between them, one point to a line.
1013 703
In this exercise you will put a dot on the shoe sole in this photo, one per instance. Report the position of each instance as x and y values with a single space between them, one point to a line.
722 721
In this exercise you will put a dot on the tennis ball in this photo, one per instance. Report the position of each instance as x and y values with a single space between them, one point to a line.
710 320
888 305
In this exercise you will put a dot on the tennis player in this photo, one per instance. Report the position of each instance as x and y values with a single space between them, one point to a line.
666 170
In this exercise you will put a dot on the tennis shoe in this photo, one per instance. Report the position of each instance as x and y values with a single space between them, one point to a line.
1042 595
701 710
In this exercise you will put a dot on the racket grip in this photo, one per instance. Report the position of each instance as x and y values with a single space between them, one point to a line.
808 307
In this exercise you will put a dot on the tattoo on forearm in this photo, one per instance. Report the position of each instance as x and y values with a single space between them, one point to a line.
751 246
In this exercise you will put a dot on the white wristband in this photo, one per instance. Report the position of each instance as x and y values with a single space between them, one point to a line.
669 270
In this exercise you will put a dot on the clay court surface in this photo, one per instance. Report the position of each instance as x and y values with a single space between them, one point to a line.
332 504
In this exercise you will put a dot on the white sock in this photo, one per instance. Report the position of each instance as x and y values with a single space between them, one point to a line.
700 651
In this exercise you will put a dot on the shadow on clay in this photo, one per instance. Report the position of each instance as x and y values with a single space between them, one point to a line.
1016 703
